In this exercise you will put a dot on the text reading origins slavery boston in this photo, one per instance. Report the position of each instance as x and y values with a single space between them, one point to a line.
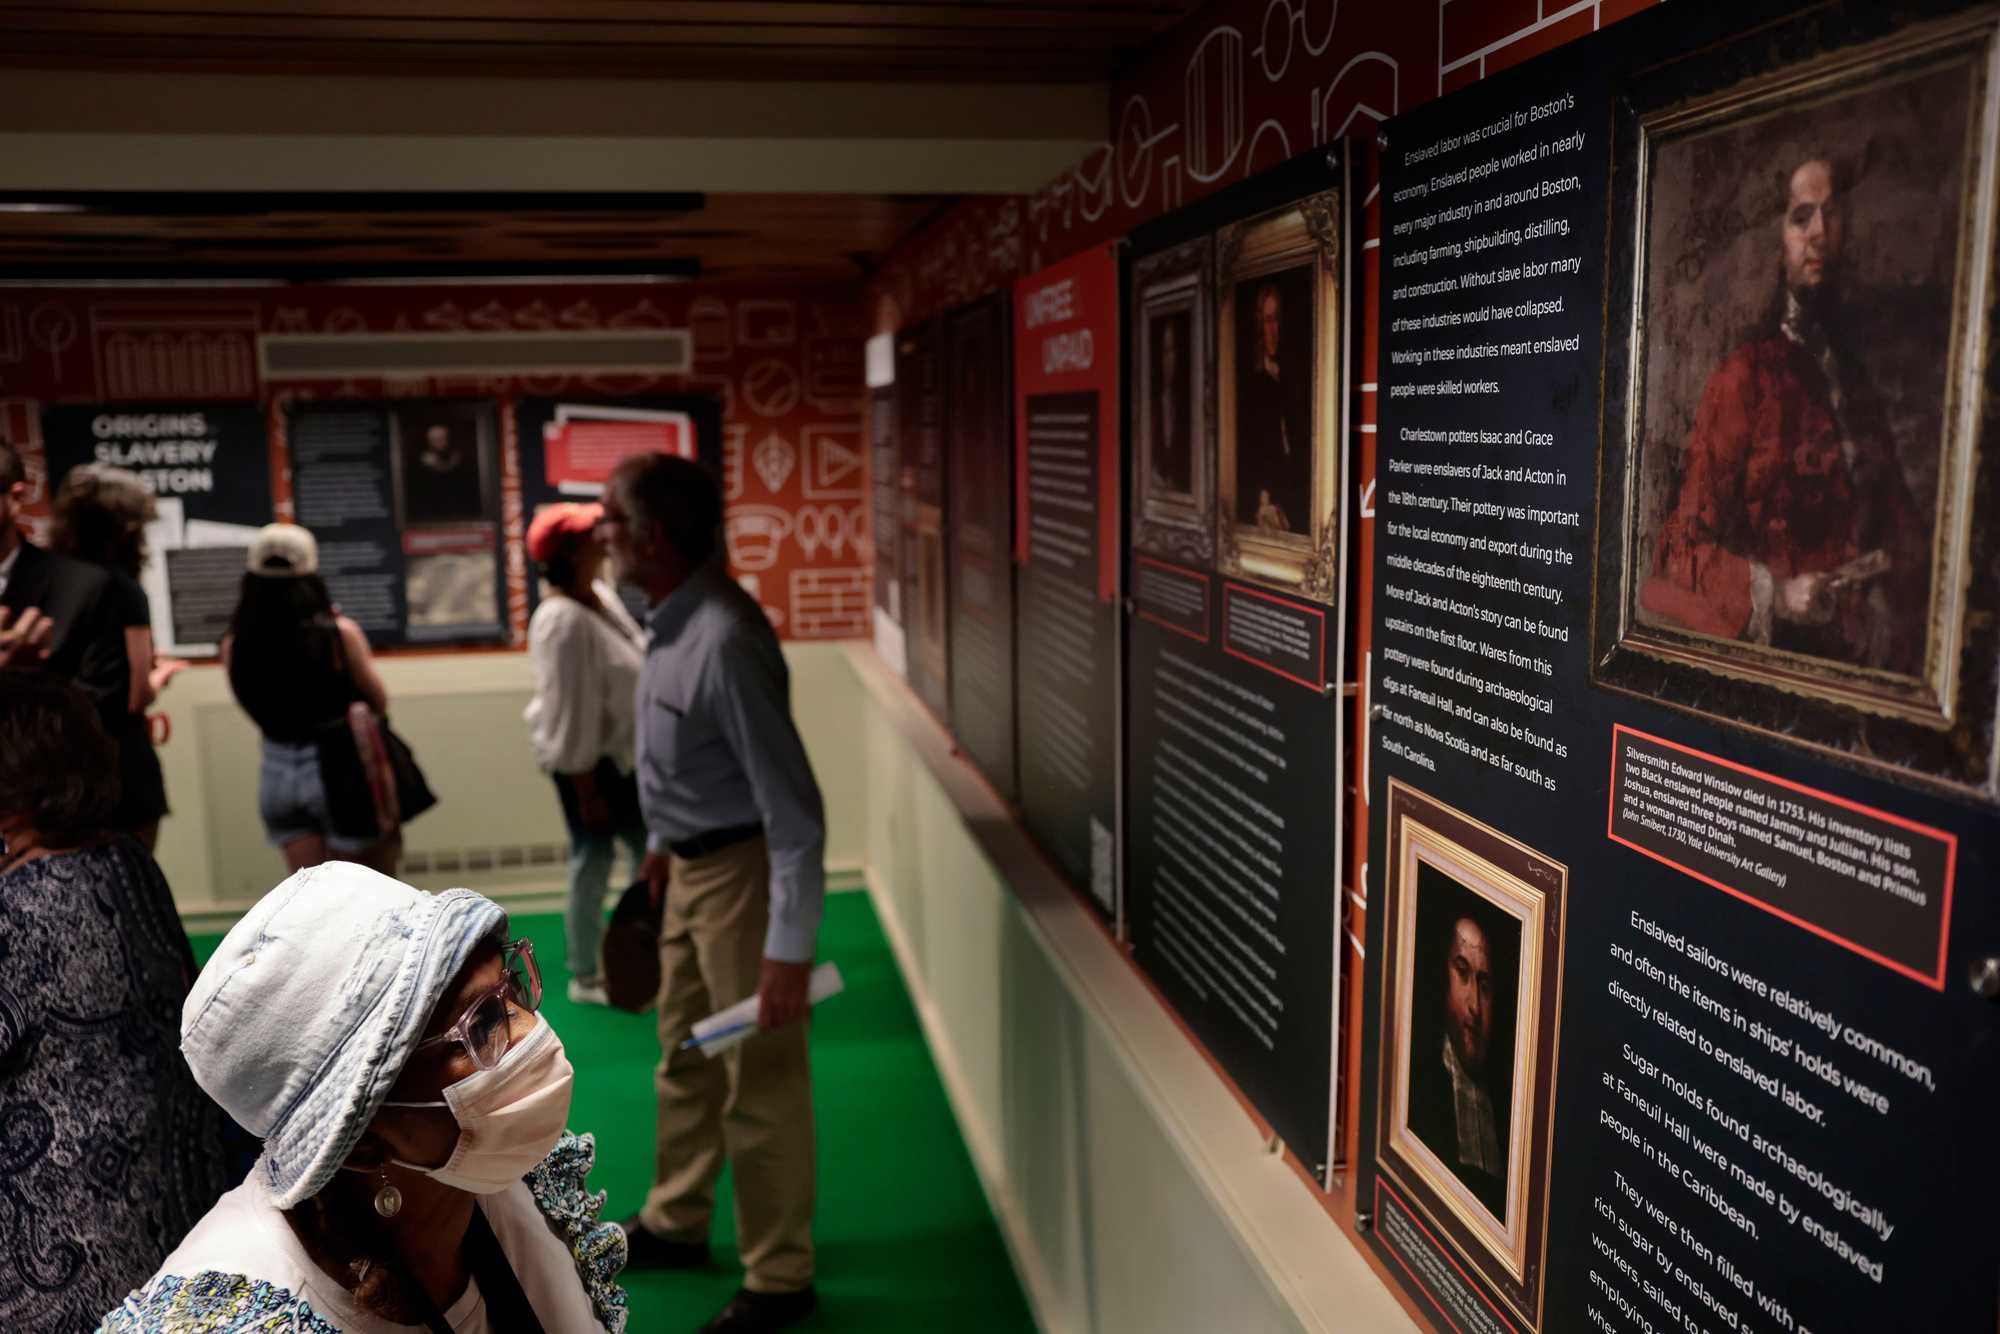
170 451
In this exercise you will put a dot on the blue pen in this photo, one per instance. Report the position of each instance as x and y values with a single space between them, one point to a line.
718 1033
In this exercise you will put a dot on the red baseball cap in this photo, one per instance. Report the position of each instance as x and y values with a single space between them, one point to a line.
555 525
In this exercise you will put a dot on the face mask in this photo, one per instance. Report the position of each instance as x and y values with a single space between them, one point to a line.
509 1117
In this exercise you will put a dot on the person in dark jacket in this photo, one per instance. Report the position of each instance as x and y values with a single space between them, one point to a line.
68 601
101 515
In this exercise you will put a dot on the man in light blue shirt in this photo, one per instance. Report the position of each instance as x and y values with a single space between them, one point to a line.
735 846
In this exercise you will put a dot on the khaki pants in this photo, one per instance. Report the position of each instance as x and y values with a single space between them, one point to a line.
753 1103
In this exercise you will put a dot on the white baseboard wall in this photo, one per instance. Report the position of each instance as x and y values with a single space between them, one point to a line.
541 895
986 1159
1135 1193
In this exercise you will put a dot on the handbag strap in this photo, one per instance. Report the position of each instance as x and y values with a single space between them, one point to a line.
507 1308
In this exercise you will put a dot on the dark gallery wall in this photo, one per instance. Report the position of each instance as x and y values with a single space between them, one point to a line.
782 364
1238 89
1661 971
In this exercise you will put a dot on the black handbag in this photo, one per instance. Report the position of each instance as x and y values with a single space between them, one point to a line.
413 793
632 951
369 796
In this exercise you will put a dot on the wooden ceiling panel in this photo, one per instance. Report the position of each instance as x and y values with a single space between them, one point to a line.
1014 41
780 237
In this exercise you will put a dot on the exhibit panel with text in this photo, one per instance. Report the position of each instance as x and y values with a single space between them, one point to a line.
926 591
208 468
569 446
1683 673
1237 412
1066 333
404 499
979 459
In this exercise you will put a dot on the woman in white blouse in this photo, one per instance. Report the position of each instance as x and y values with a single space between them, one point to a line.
585 650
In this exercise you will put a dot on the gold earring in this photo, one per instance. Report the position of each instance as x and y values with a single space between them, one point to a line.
388 1200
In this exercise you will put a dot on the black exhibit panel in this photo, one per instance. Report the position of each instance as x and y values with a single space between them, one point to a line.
926 597
886 503
1682 800
979 458
208 467
1238 347
404 499
1066 617
568 447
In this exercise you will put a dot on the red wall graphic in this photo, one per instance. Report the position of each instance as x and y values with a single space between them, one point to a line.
1242 86
785 364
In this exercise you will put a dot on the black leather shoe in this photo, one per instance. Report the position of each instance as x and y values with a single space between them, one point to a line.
762 1312
643 1250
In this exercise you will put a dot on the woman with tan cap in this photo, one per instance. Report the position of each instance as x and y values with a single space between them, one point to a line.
385 1045
295 664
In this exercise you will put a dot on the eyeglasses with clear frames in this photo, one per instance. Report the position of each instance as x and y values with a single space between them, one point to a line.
486 1029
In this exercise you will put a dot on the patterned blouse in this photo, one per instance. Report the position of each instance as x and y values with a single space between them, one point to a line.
109 1152
549 1227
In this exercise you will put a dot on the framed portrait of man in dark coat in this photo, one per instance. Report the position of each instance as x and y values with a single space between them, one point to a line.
1465 1093
1173 413
1281 351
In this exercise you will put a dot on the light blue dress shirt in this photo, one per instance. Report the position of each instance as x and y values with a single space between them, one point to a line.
717 746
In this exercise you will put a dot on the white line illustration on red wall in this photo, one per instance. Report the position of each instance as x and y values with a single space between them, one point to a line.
754 534
830 604
766 322
708 326
774 458
771 388
834 461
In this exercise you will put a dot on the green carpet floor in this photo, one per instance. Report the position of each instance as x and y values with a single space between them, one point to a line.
906 1241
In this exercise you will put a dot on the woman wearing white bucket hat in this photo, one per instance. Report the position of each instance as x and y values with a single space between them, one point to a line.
416 1175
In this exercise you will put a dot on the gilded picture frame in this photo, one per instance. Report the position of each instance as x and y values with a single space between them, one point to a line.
1444 866
1921 701
1173 497
1299 253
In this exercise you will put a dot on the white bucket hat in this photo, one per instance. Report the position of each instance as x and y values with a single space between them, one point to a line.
312 1004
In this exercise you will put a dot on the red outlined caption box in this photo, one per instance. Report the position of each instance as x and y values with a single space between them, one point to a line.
584 444
1384 1197
1163 617
1874 883
1318 682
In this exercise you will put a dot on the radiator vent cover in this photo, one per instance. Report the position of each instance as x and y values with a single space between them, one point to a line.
348 356
448 861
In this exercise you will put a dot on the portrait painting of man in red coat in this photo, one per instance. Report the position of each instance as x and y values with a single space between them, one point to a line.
1793 523
1801 453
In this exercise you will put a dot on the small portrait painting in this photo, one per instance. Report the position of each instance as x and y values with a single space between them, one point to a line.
1281 403
1274 383
444 468
1170 453
1465 1094
1792 440
1463 1021
1173 469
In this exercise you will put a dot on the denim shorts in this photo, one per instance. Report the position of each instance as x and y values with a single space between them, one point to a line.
292 799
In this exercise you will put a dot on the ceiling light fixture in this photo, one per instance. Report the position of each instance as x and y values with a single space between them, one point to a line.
507 204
